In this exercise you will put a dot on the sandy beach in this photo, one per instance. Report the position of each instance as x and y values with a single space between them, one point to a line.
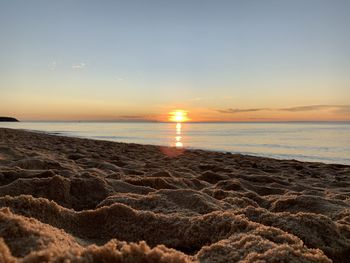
83 200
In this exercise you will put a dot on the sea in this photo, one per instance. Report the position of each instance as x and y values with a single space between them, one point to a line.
327 142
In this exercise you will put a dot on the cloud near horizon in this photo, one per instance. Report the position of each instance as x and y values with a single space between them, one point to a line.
336 108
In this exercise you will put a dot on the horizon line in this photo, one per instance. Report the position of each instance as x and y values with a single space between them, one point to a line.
213 121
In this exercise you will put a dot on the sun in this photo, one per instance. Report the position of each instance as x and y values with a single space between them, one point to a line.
178 116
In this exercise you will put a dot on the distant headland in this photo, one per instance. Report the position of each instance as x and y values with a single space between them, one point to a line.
3 119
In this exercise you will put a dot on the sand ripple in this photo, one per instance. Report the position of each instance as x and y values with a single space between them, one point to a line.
95 201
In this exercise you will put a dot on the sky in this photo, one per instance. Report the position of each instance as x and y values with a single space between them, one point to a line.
248 60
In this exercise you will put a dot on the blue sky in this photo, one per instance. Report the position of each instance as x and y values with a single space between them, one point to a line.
106 59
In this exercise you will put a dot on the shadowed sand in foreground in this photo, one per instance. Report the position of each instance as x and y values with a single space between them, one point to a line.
96 201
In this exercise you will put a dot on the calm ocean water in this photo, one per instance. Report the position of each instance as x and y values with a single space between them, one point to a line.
321 142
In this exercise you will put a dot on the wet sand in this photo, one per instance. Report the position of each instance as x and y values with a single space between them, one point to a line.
83 200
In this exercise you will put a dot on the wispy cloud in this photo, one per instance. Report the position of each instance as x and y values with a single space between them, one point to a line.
78 66
312 108
336 108
343 110
231 110
52 65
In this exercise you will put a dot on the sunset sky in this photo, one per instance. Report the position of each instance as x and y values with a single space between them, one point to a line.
139 60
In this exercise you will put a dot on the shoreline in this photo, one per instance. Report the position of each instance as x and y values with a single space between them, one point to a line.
70 197
248 154
282 157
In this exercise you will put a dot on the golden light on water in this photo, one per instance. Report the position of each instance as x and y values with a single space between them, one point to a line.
178 128
178 137
177 143
178 116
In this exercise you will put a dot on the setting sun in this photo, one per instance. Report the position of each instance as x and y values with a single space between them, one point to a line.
178 116
211 132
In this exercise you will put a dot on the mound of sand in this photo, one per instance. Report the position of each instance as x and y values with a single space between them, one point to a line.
96 201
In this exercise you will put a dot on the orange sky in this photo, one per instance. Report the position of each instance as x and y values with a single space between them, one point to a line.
97 110
220 62
300 113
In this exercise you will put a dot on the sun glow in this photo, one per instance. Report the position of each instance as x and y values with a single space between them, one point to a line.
178 116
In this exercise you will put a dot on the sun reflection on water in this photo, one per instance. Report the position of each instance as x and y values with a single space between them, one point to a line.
179 117
178 137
